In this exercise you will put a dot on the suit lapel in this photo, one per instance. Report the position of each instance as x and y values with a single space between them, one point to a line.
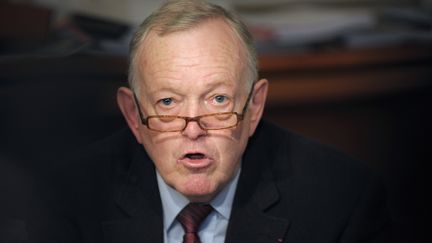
256 193
250 223
139 198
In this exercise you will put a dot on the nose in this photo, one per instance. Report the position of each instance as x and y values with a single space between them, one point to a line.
193 130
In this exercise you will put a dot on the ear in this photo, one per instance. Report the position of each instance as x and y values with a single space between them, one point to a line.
257 104
126 103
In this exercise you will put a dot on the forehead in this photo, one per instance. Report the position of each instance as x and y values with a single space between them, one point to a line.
208 51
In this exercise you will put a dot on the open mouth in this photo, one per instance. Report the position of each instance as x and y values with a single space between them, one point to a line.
195 160
195 156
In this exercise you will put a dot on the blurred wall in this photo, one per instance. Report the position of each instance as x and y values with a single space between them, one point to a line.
134 11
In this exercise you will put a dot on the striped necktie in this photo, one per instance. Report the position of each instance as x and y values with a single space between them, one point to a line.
190 218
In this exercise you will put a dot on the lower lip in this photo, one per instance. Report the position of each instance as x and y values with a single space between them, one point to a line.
195 163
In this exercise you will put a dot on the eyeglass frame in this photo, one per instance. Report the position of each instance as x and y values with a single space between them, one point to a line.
240 117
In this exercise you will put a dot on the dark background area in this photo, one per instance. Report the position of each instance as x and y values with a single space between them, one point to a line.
57 94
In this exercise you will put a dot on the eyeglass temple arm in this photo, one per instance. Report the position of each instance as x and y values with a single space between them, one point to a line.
247 101
143 119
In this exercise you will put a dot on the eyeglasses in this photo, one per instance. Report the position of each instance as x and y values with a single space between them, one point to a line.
213 121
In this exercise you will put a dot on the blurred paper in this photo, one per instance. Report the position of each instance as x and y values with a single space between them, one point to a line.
305 25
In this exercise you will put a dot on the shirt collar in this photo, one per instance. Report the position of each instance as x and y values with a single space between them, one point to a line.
173 201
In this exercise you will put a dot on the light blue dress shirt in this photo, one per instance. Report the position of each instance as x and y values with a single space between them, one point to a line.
214 227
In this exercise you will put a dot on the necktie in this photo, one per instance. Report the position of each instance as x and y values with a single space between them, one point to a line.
190 218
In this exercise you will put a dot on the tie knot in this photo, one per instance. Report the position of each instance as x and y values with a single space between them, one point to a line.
191 216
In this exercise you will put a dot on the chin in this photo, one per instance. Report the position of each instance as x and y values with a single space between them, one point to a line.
198 189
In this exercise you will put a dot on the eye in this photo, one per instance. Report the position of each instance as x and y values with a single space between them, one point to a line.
220 99
166 101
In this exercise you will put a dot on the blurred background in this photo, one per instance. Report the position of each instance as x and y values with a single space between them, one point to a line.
354 74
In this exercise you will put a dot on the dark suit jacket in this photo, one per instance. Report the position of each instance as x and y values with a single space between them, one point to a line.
290 190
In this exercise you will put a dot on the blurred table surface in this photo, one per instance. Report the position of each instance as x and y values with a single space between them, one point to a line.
336 74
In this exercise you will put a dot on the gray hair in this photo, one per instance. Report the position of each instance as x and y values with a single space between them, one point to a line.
182 15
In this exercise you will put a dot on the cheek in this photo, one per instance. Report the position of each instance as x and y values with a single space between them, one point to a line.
230 148
160 147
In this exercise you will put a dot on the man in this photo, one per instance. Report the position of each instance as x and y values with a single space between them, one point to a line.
195 141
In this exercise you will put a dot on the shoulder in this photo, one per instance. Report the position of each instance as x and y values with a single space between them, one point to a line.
121 143
114 150
92 173
315 179
302 167
295 155
321 190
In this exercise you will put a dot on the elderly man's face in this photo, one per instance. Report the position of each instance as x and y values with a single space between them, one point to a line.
191 73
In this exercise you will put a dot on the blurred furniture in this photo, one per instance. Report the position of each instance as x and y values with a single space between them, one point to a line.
23 26
24 21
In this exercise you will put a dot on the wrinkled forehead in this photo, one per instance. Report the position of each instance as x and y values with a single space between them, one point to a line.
211 45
